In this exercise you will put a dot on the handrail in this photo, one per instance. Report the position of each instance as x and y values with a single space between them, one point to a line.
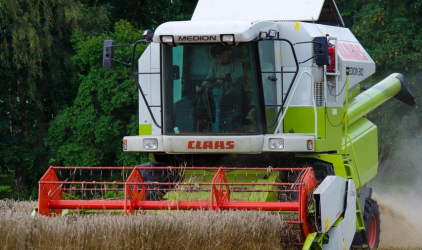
313 104
135 76
354 159
346 135
290 72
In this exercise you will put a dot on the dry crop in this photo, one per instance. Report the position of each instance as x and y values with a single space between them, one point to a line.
175 230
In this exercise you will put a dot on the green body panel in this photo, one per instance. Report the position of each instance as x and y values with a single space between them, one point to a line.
360 161
145 129
334 130
329 121
301 120
236 176
315 240
360 225
309 240
362 151
373 97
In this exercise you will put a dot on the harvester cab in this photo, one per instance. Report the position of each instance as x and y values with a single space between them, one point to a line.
252 108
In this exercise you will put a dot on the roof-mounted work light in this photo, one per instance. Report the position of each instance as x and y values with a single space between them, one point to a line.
262 35
272 33
227 39
167 39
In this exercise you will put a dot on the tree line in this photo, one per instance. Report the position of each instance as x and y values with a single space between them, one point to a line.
59 107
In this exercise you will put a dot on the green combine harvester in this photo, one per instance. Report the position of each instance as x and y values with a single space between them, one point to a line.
249 108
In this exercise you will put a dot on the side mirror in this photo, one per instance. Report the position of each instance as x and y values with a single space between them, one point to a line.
321 51
176 73
148 35
108 53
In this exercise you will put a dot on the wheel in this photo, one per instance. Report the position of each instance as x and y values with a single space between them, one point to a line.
372 221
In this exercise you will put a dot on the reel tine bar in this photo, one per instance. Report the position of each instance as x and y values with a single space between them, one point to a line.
222 191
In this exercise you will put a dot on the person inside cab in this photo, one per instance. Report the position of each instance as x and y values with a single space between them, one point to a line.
223 88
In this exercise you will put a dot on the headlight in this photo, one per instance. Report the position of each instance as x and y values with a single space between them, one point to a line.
276 144
150 144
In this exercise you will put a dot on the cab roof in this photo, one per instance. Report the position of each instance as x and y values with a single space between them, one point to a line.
318 11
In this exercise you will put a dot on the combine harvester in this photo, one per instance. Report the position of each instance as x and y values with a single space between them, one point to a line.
279 125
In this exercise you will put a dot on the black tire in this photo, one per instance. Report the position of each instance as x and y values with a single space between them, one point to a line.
372 221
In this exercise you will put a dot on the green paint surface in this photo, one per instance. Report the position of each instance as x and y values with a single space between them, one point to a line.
145 129
245 179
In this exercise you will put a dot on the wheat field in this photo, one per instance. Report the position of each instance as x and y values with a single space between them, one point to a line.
175 230
180 230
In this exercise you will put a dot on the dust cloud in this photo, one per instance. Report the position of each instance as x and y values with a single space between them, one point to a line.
401 218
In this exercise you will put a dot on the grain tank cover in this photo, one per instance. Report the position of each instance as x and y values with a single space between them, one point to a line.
318 11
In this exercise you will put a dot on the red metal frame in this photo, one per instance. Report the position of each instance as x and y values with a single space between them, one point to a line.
309 183
51 198
132 191
49 189
218 196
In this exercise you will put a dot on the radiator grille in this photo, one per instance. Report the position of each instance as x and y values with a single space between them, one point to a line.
318 94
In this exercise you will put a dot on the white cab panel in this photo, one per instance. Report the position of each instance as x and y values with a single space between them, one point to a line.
149 80
283 10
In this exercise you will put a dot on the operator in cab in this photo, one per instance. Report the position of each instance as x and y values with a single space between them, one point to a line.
224 81
225 70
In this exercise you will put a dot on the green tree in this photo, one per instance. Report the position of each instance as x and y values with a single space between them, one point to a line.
389 31
37 78
106 107
89 133
147 14
392 32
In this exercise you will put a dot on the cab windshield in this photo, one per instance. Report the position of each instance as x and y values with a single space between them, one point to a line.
211 89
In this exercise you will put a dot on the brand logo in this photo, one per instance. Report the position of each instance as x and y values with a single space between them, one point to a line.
197 38
210 144
352 51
